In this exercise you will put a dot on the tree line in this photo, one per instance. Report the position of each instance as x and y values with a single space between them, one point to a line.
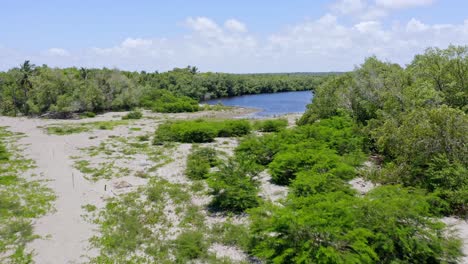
35 90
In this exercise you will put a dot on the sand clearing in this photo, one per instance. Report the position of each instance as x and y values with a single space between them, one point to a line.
65 233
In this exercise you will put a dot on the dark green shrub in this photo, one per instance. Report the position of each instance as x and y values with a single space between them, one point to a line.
199 163
286 164
164 101
88 114
391 225
190 245
133 115
233 186
271 125
234 128
261 149
4 155
200 131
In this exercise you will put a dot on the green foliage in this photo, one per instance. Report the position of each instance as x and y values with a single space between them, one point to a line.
133 115
164 101
234 187
66 129
271 125
190 245
390 225
199 163
88 114
36 90
200 131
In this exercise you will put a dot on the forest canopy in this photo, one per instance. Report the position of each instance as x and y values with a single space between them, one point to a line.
36 90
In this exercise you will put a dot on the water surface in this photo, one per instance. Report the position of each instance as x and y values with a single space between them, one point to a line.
270 104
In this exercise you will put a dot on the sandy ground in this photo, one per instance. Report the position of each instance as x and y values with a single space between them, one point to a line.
64 232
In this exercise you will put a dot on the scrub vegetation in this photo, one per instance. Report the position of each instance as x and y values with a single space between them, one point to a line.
40 90
21 200
200 190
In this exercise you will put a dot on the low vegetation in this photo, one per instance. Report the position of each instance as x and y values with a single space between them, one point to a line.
199 163
37 90
270 125
133 115
200 131
21 201
67 129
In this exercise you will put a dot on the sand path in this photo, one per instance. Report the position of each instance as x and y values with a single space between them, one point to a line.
64 231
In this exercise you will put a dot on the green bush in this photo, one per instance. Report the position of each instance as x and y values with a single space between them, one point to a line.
271 125
190 245
133 115
164 101
199 163
88 114
4 155
330 225
234 128
200 131
286 164
234 187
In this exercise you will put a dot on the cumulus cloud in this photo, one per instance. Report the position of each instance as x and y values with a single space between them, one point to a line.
235 26
322 44
369 10
57 52
400 4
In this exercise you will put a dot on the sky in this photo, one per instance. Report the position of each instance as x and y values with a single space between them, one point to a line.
226 36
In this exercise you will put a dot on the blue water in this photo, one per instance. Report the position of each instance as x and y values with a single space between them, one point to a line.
270 104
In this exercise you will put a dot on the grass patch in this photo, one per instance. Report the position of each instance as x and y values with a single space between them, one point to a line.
67 129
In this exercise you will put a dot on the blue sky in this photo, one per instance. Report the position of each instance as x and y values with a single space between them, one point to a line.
229 36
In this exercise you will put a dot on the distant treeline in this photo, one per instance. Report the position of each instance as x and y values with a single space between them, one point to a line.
35 90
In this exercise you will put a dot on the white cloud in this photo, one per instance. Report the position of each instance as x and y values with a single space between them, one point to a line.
57 52
323 44
349 6
415 25
400 4
370 10
235 26
203 25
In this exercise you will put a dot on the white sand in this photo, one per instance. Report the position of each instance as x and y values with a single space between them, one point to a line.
66 231
460 227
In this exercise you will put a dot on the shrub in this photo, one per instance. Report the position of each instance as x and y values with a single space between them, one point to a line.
271 125
391 225
199 163
133 115
164 101
4 155
234 187
190 245
200 131
88 114
286 164
234 128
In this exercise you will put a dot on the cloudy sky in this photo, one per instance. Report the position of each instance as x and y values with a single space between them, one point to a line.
226 36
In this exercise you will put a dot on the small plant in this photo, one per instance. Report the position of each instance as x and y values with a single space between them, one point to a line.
190 245
271 125
234 187
199 163
88 115
133 115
